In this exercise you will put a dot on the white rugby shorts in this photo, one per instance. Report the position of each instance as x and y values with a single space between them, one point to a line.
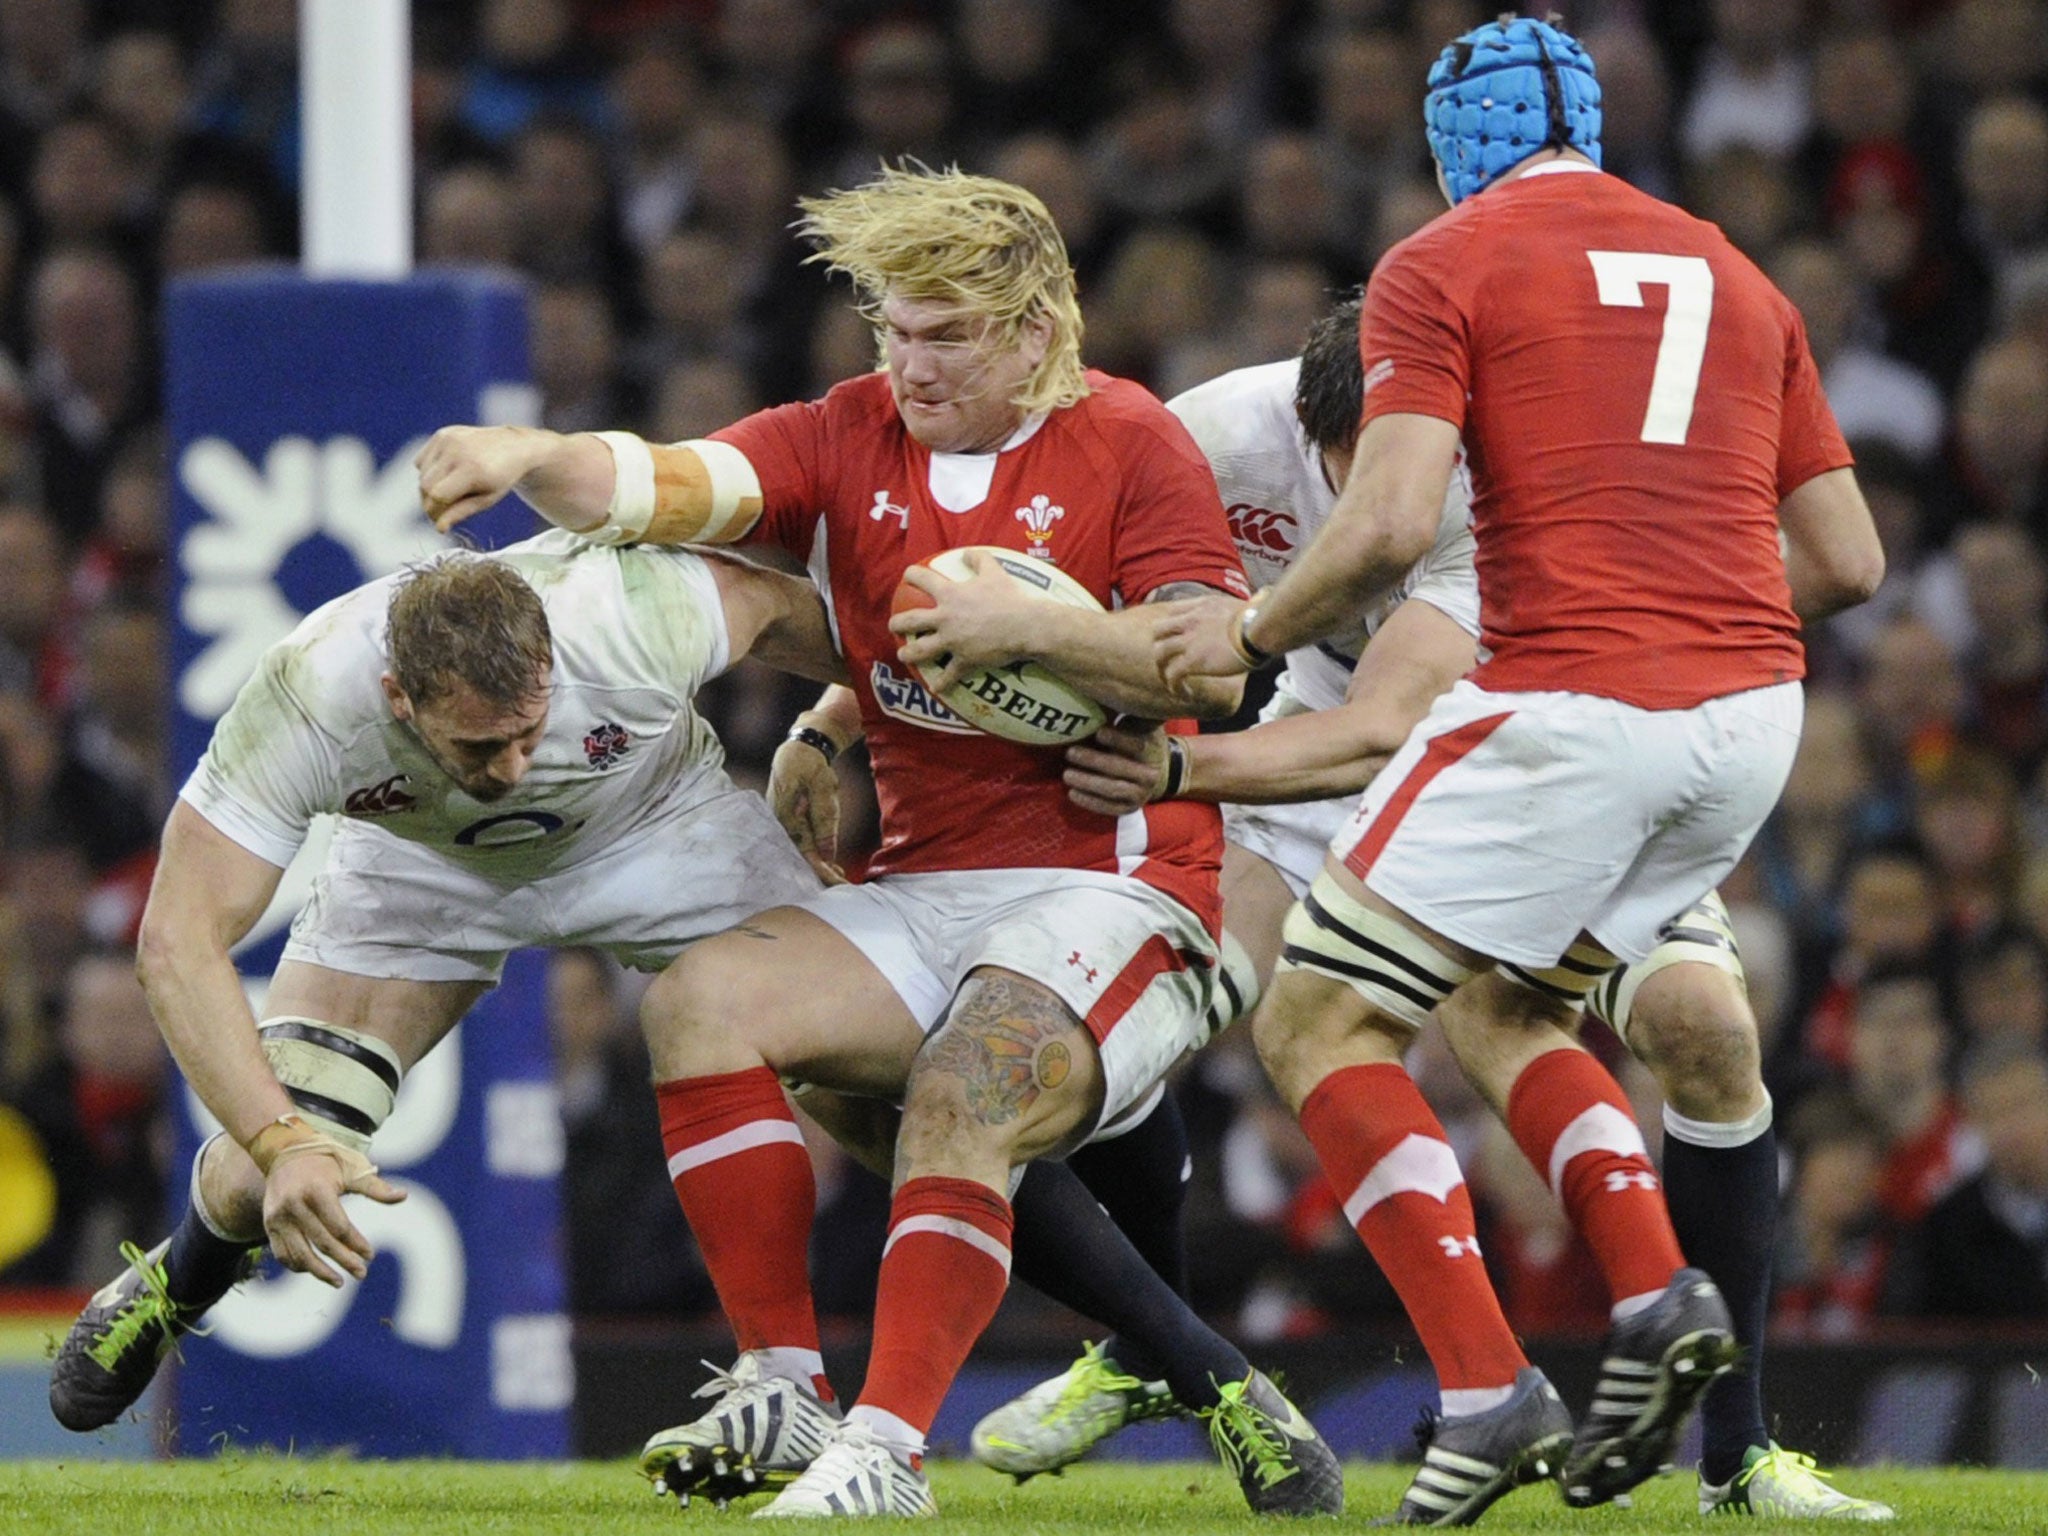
1133 964
1509 822
386 907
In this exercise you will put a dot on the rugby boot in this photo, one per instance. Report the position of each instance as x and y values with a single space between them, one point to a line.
856 1474
1658 1364
761 1433
1275 1454
1470 1461
1061 1419
1784 1485
112 1352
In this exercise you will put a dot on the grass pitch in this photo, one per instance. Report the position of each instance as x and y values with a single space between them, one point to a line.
255 1495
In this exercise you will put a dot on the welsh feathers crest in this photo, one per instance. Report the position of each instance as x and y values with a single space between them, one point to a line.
1038 520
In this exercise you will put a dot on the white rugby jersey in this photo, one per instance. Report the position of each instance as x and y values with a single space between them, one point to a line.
1271 477
636 631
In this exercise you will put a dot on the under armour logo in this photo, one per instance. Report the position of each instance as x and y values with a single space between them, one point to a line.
884 507
1078 963
1458 1247
1622 1179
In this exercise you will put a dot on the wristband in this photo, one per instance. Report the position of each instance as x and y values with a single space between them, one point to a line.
1176 769
815 739
1251 655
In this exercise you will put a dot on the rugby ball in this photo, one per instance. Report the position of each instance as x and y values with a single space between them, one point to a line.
1021 701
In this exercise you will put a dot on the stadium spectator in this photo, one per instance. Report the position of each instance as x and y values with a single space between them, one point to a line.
656 93
1966 817
1899 1042
530 62
1753 87
468 215
2005 585
90 375
2002 987
1836 1239
2001 437
1873 396
1982 1251
94 1106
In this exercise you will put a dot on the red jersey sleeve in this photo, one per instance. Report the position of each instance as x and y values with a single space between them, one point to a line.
785 444
1170 525
1412 337
1809 441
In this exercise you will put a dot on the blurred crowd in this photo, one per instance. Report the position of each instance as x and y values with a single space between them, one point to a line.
1222 170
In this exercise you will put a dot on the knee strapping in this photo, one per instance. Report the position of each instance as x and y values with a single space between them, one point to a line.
1701 935
1237 987
1575 977
1387 963
344 1082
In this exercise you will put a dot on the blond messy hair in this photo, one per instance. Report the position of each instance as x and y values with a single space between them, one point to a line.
986 245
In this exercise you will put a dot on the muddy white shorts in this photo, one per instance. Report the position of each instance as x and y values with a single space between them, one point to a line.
386 907
1131 962
1509 822
1294 839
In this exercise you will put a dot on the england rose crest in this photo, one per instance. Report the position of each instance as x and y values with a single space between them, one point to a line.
606 744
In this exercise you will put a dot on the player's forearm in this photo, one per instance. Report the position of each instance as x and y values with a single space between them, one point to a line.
568 478
837 714
1278 762
196 996
1108 656
1350 563
798 638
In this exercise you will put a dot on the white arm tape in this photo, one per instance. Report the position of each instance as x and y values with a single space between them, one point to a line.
733 480
632 503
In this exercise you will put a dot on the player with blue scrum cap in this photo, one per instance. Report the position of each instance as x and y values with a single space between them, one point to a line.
1639 618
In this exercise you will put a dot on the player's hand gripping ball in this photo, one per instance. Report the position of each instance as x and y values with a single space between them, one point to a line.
1021 700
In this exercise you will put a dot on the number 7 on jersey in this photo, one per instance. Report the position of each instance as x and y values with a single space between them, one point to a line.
1622 276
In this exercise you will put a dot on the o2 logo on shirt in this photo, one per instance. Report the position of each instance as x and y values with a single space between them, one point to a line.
510 829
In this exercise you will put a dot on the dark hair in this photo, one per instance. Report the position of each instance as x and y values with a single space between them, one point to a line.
467 618
1329 394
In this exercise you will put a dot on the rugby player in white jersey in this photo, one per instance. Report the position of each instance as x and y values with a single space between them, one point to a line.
510 746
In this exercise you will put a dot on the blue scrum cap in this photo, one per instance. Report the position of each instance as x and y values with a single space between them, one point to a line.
1502 92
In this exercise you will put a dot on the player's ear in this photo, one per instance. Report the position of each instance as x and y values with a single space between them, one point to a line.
1034 338
396 697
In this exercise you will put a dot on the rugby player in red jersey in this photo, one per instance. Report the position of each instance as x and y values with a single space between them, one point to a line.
1016 970
1641 416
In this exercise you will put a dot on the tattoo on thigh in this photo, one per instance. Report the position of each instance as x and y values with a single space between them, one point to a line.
1003 1043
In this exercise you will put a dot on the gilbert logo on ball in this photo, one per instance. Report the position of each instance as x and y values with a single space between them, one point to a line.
1019 701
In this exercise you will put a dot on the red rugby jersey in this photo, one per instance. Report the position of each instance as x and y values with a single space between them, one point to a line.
1112 490
1636 398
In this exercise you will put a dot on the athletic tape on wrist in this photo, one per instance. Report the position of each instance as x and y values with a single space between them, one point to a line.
631 509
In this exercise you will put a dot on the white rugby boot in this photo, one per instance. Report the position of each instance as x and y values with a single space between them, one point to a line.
1783 1485
856 1474
761 1433
1064 1417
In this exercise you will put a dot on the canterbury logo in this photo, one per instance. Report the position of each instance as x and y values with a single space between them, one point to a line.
1262 531
384 799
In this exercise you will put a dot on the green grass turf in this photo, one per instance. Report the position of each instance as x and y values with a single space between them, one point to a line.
255 1495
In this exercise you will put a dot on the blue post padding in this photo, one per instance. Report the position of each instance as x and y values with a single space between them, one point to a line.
1502 92
295 407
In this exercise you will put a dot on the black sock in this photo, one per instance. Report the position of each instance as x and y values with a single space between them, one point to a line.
1724 1207
200 1267
1140 1178
1066 1246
